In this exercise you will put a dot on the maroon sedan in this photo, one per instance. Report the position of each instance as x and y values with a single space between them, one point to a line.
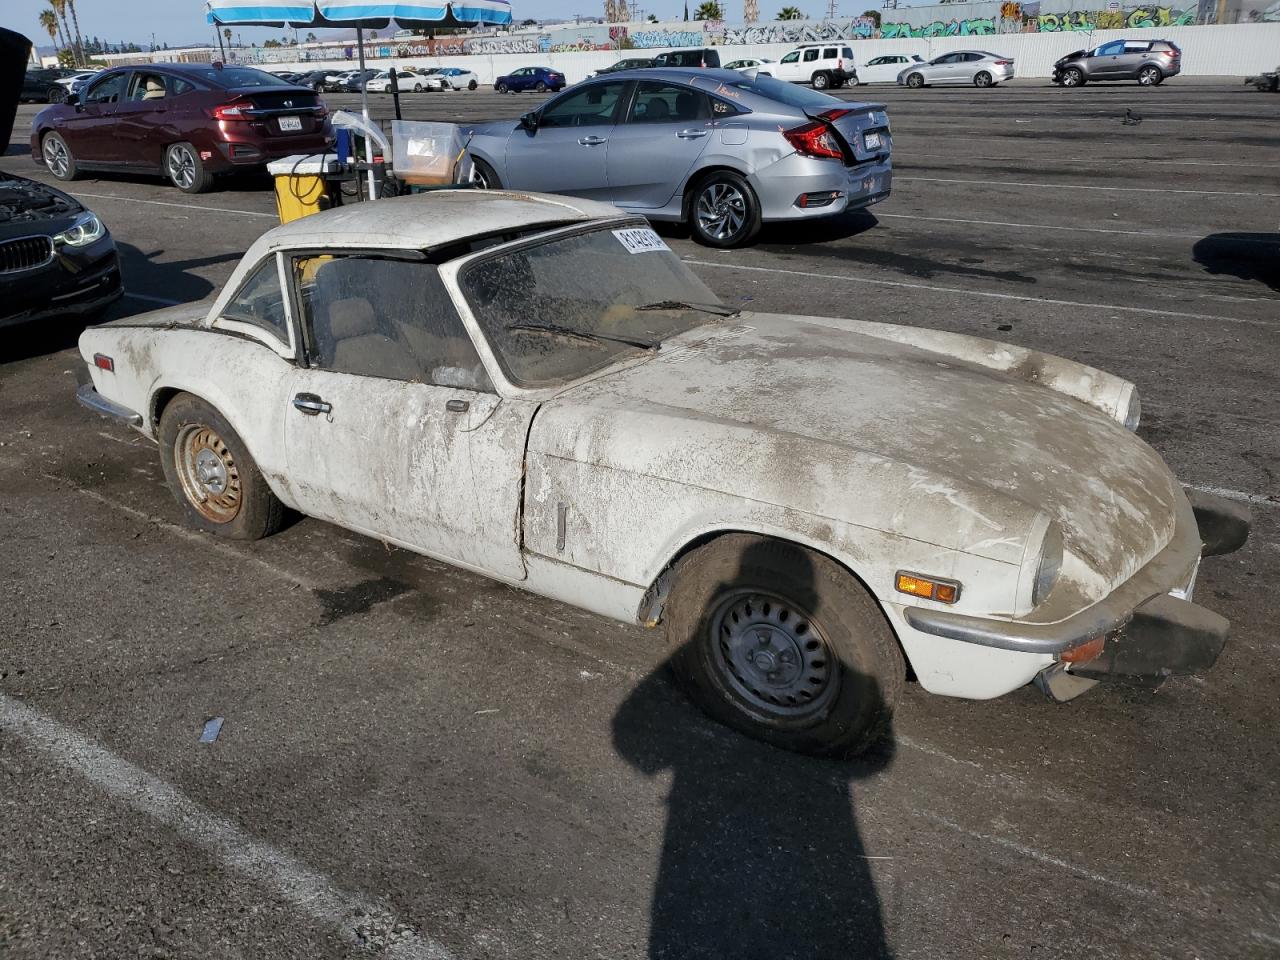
187 121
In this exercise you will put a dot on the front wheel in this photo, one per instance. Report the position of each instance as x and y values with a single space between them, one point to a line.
1073 77
724 211
1150 76
186 170
821 81
500 88
57 95
417 88
483 176
211 474
915 80
982 79
58 157
783 645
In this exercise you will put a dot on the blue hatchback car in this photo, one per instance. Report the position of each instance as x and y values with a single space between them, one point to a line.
540 79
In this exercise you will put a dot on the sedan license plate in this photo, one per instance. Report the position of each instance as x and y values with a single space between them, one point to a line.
873 141
290 123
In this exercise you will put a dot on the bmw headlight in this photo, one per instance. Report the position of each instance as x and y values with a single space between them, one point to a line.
86 230
1133 411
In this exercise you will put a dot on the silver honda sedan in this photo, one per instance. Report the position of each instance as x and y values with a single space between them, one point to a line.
719 149
976 67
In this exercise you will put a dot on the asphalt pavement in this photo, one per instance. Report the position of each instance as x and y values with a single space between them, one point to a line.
418 762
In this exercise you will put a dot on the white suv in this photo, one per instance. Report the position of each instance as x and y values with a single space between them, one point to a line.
821 64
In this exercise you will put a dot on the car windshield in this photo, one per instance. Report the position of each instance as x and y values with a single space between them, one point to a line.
235 77
563 307
788 93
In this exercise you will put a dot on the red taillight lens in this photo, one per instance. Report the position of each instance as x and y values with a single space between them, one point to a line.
1004 63
103 362
230 111
814 139
834 114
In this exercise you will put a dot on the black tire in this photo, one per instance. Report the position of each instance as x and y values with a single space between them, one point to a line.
185 169
705 201
540 87
847 671
916 80
417 88
245 509
500 88
58 158
472 85
484 176
1150 76
982 79
820 80
56 95
1073 77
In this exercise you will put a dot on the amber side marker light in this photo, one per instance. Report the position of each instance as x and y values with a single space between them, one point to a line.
103 362
1089 650
929 588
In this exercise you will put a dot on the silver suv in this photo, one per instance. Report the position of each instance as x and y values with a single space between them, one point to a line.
1149 62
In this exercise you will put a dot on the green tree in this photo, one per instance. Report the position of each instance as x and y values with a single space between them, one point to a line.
49 20
873 16
790 13
60 8
653 18
709 10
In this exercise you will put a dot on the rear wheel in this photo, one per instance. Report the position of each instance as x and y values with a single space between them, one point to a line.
58 157
186 170
472 85
1073 77
821 80
724 211
783 645
982 79
540 87
915 80
1150 76
212 476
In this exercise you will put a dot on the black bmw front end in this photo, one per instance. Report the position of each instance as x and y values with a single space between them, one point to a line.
57 259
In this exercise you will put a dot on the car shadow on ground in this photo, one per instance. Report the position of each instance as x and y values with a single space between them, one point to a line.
1249 256
762 856
143 274
792 233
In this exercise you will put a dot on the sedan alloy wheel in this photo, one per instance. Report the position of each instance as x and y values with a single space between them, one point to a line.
721 210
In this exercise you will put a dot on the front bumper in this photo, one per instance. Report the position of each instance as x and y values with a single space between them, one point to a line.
74 284
1152 628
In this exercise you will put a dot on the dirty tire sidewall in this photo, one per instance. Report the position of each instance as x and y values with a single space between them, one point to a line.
261 513
872 669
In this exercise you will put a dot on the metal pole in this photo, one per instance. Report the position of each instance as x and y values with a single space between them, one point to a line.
364 109
218 33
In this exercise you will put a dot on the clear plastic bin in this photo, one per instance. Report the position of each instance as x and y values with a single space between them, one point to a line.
427 153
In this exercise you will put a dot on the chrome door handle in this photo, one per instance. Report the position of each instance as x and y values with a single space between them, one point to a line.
691 134
592 141
310 404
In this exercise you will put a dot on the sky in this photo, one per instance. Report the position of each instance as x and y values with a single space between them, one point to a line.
180 22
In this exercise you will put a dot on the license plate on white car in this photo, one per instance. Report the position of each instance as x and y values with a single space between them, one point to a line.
290 123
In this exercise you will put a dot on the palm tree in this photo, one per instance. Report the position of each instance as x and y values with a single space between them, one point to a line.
80 57
709 10
790 13
49 20
60 8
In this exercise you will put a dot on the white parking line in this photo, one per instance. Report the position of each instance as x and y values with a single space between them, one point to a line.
1048 185
309 892
1042 226
164 301
1239 495
181 206
1101 161
985 294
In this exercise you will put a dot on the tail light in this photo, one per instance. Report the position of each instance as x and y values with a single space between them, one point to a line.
815 139
1004 63
231 111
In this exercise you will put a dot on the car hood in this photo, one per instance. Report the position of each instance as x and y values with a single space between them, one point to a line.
29 207
1073 55
852 421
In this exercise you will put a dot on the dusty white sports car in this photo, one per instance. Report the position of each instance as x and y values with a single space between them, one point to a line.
540 390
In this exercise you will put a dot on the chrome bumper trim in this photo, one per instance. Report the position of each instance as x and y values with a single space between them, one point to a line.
91 398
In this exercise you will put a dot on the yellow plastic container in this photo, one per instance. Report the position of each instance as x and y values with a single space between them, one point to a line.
301 188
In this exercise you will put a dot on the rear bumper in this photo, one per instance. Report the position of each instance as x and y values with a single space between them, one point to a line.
780 185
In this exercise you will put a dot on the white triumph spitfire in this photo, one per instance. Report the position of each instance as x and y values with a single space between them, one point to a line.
540 390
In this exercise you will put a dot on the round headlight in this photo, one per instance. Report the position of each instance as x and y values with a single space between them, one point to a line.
1133 413
1050 565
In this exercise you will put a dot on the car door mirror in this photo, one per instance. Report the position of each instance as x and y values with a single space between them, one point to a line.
529 121
73 100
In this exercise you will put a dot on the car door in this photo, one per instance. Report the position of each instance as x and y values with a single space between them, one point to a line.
878 70
1135 56
1104 62
666 129
140 117
944 68
566 152
90 130
393 427
788 68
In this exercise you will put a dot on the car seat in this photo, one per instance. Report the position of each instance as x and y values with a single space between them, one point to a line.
154 89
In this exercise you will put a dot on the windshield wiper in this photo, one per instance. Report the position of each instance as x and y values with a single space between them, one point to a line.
585 335
685 305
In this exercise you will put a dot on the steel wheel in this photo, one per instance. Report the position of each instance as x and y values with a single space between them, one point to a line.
1148 76
181 165
721 210
56 157
982 79
209 477
773 657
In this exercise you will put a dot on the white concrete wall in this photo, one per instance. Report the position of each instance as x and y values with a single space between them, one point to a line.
1235 50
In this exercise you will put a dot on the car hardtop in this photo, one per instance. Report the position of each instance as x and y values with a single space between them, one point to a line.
710 80
197 74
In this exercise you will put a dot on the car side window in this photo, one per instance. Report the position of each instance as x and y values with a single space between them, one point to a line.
847 53
811 55
147 86
260 301
667 103
829 53
972 57
1136 46
1113 49
387 318
107 90
791 57
591 106
178 86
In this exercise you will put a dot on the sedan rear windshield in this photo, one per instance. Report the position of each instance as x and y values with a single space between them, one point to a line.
788 93
236 77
